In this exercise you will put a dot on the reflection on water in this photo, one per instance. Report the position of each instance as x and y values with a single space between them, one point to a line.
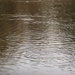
37 37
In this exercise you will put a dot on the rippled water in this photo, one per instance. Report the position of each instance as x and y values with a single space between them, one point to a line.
37 37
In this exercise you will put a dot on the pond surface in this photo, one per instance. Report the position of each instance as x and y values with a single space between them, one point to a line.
37 37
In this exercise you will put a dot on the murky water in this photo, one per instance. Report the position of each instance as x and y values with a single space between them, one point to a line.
37 37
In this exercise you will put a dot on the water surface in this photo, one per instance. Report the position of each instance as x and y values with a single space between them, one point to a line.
37 37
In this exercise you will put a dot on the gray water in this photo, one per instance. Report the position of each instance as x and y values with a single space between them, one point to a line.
37 37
